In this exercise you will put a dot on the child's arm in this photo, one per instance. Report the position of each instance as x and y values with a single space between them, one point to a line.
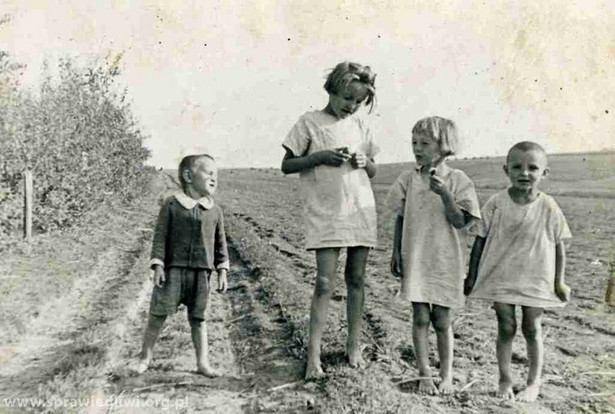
456 216
221 257
292 164
562 290
396 257
370 168
159 277
360 160
222 280
159 244
477 252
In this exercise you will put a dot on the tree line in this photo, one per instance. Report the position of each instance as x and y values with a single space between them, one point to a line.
75 131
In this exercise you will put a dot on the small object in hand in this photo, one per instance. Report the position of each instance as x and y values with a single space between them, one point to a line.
432 171
345 151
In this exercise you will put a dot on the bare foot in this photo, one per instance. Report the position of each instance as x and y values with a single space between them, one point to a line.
426 386
142 366
446 386
529 394
314 371
355 358
207 371
505 391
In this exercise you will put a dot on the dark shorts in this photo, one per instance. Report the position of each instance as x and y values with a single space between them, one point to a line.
182 285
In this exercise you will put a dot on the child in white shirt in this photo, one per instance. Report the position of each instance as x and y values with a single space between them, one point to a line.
518 258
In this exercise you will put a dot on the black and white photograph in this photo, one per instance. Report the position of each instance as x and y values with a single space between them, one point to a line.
342 206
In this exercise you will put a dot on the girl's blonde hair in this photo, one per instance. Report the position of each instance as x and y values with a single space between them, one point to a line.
443 130
347 72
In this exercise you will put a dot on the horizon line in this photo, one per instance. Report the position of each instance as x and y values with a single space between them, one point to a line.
482 157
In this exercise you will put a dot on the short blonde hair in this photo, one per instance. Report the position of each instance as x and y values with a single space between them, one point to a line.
347 72
442 130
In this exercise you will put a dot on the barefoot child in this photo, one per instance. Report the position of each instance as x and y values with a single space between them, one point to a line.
189 244
334 153
518 258
432 202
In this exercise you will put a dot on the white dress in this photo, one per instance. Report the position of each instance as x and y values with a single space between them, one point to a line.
433 252
340 209
518 261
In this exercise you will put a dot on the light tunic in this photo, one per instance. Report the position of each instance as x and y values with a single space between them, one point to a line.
518 262
340 209
433 252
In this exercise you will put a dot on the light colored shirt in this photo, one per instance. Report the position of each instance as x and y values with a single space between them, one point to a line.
433 252
518 261
340 209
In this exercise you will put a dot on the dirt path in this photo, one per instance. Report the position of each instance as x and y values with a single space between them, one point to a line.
78 355
248 342
79 313
83 343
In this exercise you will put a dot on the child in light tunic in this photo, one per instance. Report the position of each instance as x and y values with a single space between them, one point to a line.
433 202
518 259
333 152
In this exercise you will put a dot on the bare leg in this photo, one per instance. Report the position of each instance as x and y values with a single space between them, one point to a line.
531 326
154 326
441 320
420 332
198 329
354 276
326 262
507 327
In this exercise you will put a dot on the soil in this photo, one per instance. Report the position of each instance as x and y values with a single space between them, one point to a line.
78 334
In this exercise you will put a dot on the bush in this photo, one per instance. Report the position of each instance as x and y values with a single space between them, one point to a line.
78 136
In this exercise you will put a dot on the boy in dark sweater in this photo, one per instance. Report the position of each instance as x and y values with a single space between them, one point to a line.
189 244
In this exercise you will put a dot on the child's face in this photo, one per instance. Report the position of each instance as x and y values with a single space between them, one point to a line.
525 169
204 177
426 149
347 101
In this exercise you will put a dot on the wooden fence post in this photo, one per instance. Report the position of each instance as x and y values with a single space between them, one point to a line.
609 297
27 209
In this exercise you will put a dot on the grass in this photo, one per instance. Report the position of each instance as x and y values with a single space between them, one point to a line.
72 297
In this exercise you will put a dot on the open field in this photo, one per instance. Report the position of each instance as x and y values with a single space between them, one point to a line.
580 343
74 306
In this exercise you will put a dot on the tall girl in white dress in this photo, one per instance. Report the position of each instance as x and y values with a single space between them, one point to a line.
333 151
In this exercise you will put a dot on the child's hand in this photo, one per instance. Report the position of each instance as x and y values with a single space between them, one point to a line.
358 160
331 157
468 284
437 185
562 291
222 282
396 264
159 278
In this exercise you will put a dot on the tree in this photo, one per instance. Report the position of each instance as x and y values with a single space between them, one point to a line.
79 137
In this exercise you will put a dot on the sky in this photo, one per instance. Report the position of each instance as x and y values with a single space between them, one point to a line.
232 77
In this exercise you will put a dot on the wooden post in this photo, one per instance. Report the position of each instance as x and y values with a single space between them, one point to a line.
27 209
609 297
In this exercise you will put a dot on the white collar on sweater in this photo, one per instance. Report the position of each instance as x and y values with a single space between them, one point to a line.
188 202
